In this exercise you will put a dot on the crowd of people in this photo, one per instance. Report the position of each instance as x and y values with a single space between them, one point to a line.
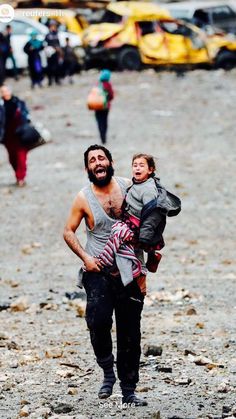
62 62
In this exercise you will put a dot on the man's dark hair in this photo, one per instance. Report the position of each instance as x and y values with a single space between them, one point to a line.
96 147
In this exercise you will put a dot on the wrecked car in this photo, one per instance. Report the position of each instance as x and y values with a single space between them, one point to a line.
134 34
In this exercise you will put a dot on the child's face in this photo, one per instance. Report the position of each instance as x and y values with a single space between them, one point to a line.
140 169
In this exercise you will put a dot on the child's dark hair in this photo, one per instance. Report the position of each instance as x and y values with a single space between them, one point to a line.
149 159
96 147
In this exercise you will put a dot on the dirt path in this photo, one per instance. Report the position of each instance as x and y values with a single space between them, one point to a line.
189 124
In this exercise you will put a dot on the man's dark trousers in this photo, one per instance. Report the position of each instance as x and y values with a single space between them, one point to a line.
105 294
102 118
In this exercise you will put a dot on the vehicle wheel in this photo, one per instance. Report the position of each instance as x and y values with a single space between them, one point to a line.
226 60
129 59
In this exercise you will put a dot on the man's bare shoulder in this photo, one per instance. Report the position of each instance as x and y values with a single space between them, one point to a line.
80 200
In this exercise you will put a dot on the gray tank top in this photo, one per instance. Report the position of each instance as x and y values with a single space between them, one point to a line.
97 238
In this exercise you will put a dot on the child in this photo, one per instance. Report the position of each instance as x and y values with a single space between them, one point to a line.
102 115
144 218
142 192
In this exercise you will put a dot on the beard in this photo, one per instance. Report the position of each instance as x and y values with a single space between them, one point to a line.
101 182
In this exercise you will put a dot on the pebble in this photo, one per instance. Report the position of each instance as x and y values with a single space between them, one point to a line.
24 412
152 350
20 304
41 413
54 353
72 391
13 364
62 408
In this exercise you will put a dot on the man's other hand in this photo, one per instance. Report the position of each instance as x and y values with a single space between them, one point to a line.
92 264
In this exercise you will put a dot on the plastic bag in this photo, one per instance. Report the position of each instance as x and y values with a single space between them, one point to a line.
97 99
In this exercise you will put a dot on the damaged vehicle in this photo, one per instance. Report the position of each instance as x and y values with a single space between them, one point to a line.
212 16
134 34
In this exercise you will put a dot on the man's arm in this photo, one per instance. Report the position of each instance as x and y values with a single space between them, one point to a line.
77 213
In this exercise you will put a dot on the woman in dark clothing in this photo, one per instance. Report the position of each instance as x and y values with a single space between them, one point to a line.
16 114
32 49
102 116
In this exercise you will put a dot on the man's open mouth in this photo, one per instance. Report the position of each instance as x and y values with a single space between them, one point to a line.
100 171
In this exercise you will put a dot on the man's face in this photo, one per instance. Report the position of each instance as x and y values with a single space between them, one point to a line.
6 93
53 28
100 169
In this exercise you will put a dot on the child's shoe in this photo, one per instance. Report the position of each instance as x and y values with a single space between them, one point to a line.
153 261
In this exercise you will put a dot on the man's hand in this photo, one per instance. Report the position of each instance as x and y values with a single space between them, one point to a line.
92 264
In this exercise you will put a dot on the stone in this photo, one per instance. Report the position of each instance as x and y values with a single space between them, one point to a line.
26 249
79 305
3 377
65 373
13 345
24 412
164 368
13 364
4 306
72 391
42 413
20 304
200 325
54 353
189 351
223 387
75 295
152 350
8 385
34 309
4 336
143 389
183 381
191 312
29 358
62 408
23 402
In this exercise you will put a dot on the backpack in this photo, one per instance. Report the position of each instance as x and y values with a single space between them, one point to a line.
97 99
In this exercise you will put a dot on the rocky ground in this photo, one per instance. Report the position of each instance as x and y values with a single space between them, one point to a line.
47 368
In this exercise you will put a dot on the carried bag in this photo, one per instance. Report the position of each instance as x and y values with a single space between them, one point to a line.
97 99
29 136
49 51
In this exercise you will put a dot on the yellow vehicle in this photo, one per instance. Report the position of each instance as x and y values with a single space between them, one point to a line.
66 19
136 33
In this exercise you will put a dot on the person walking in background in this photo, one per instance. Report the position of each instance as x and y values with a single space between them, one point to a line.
3 57
15 115
10 54
102 115
32 49
54 54
70 62
2 120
